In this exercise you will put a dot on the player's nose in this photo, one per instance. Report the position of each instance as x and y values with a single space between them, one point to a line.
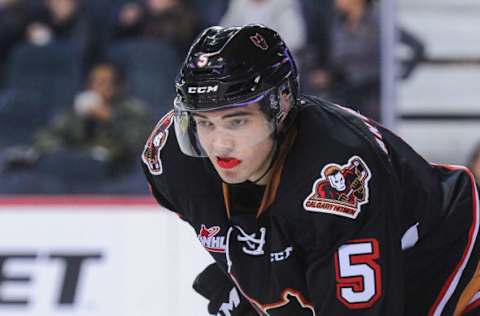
223 144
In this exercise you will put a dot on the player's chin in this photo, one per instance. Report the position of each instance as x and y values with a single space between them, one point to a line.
230 177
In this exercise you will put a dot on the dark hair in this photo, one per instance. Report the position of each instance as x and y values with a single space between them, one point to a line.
119 73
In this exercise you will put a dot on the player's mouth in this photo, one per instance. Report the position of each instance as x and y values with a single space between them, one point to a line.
227 162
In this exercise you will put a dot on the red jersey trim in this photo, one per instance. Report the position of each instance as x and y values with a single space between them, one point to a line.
76 200
453 280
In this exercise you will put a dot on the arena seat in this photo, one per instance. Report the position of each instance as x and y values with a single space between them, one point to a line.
50 73
40 81
21 113
150 67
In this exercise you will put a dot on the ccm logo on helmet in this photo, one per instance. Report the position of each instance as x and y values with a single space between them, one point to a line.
205 89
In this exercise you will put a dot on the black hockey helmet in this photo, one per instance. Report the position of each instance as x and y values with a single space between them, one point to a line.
228 67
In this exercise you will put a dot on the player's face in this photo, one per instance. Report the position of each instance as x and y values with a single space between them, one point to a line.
238 141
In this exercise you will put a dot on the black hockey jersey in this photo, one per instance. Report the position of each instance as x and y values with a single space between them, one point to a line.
353 221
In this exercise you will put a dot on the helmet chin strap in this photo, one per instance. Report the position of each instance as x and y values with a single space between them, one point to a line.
270 165
280 134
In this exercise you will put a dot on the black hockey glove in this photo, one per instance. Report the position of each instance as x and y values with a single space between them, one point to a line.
224 297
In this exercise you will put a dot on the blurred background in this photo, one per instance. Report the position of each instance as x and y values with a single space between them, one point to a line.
83 82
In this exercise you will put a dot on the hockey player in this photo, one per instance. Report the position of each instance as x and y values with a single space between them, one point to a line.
308 208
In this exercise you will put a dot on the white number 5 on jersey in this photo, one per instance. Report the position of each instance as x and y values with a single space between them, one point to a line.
358 275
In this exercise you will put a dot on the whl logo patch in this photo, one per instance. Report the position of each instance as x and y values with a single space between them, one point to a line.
341 190
209 239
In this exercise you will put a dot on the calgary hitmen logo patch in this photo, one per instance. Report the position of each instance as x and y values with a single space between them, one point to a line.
155 143
341 190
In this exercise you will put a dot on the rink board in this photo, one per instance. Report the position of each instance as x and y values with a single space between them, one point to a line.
97 257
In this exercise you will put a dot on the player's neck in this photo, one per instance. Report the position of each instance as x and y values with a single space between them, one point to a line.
264 174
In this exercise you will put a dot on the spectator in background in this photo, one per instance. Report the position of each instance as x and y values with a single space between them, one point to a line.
57 20
104 125
346 68
14 15
352 74
285 16
171 20
318 17
474 162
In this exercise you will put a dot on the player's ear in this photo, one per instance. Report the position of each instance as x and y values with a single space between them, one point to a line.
286 103
285 97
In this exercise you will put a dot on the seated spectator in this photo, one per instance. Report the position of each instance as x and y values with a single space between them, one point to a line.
103 125
13 19
474 162
352 74
318 18
170 20
56 20
285 16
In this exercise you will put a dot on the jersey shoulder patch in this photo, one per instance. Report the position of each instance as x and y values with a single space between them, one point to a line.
156 141
341 190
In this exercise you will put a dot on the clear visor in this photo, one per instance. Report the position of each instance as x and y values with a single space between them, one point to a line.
223 132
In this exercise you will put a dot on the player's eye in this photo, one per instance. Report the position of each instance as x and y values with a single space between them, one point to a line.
237 122
203 124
